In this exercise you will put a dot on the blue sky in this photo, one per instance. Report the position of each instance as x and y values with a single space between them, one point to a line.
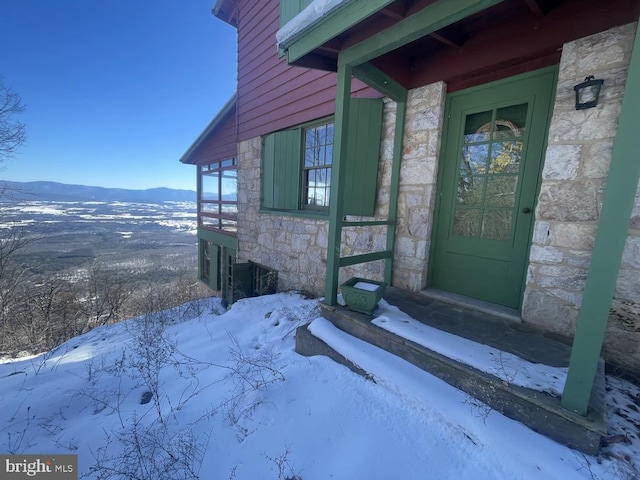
117 90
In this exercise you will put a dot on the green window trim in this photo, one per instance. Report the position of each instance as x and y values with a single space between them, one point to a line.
284 185
208 264
217 196
316 168
363 156
213 249
281 152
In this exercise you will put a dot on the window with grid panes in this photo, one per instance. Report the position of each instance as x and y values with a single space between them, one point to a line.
296 164
316 171
218 196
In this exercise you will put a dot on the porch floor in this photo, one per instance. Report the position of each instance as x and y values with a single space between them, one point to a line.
498 329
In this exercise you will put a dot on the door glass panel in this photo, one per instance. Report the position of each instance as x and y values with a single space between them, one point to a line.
470 190
474 159
476 127
510 122
505 157
467 222
501 190
496 224
488 172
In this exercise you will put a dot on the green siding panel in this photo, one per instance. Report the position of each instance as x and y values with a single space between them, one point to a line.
201 259
363 153
214 267
268 170
281 170
222 239
291 8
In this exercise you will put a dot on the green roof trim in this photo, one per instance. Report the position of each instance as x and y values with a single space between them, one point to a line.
428 20
227 108
348 14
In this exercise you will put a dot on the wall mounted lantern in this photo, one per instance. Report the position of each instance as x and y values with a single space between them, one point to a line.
587 92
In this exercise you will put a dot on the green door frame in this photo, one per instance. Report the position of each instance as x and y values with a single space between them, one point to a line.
617 205
492 93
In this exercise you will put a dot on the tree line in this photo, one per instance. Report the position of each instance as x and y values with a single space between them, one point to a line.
38 311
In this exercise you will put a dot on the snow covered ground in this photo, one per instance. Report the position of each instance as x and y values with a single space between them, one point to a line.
198 392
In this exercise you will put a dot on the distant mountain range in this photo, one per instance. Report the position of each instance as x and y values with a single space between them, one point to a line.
53 191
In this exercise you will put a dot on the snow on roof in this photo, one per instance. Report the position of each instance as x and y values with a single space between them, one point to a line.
315 11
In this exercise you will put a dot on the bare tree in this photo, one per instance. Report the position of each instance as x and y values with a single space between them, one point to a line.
12 240
106 294
12 131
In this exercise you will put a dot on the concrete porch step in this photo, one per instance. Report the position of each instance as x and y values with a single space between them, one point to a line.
539 411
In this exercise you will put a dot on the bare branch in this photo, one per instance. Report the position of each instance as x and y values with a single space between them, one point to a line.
12 131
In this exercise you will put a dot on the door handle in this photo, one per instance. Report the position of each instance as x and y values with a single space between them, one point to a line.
526 210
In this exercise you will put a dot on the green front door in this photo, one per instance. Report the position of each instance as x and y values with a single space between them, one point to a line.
492 153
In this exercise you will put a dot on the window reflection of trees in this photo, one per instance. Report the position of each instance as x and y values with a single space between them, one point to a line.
318 154
488 179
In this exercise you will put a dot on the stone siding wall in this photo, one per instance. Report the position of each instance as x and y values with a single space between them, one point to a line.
573 179
418 176
297 246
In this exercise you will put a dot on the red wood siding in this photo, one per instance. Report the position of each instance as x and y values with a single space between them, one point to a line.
221 144
271 94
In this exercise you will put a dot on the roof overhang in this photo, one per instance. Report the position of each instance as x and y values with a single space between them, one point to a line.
306 32
458 41
227 11
319 40
217 121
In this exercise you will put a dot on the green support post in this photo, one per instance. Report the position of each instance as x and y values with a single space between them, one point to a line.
619 195
336 199
396 92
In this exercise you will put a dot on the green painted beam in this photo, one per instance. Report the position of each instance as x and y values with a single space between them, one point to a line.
428 20
372 223
331 25
221 239
613 224
394 191
336 199
364 258
382 82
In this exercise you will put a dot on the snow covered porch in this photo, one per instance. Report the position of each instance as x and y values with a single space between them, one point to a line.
501 364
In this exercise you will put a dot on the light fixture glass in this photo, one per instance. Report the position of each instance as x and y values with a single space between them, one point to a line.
588 92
